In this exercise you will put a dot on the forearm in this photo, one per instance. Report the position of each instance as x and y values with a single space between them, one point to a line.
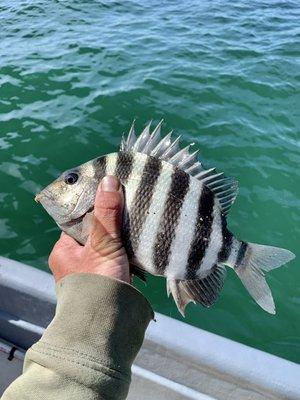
88 349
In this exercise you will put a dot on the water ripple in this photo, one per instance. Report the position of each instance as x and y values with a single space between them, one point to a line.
74 74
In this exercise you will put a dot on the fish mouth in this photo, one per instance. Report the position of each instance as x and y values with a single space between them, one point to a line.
43 194
77 220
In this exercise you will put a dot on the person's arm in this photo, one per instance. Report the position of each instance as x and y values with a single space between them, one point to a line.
87 351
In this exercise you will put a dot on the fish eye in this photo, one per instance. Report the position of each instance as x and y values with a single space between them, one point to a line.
71 178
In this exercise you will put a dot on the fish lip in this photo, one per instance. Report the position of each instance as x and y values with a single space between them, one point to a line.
44 193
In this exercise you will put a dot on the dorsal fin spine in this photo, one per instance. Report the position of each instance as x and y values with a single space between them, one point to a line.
131 139
189 161
224 188
161 147
171 150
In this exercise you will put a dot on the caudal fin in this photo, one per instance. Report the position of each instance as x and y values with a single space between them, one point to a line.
251 262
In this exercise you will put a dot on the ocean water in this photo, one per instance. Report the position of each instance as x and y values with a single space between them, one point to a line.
225 75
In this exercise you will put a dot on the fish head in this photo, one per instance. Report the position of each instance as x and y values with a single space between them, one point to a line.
70 196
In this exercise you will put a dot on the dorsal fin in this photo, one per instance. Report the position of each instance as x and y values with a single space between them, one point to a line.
224 188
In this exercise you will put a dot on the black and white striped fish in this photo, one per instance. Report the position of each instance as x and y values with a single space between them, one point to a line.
174 220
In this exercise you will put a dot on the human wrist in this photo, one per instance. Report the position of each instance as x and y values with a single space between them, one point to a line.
93 309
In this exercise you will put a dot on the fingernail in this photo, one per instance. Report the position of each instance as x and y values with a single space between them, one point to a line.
110 184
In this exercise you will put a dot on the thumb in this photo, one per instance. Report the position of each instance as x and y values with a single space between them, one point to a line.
108 211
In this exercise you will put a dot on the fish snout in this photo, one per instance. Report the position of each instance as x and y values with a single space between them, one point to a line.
44 195
38 197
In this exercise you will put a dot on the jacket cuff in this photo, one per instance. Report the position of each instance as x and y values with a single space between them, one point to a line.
99 324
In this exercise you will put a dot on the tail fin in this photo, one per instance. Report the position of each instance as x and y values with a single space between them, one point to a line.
252 260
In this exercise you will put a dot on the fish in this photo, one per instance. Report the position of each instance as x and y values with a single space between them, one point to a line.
174 221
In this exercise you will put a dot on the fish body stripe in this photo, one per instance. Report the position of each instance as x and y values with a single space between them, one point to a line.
241 254
202 232
124 166
111 163
142 200
152 223
99 165
139 161
224 253
131 187
123 171
169 220
234 250
184 234
215 242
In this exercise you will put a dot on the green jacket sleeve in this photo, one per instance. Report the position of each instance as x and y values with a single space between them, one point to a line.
87 351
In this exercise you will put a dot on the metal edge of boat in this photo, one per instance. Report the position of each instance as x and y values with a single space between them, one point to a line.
177 361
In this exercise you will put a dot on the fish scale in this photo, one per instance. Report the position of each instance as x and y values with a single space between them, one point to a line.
142 199
124 166
202 232
174 218
169 221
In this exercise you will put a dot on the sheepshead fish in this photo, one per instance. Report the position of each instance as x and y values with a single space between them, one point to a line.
174 221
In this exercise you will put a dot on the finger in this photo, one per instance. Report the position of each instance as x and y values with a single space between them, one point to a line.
109 207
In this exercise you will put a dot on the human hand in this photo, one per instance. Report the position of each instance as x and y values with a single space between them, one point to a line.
103 252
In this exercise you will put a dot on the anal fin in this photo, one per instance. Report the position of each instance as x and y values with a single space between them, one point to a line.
180 296
205 291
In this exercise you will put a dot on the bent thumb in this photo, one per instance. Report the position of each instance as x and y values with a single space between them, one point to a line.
108 210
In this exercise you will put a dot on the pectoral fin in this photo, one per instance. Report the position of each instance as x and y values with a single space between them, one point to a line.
137 271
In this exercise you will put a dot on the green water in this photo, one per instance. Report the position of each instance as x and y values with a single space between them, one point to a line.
74 74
